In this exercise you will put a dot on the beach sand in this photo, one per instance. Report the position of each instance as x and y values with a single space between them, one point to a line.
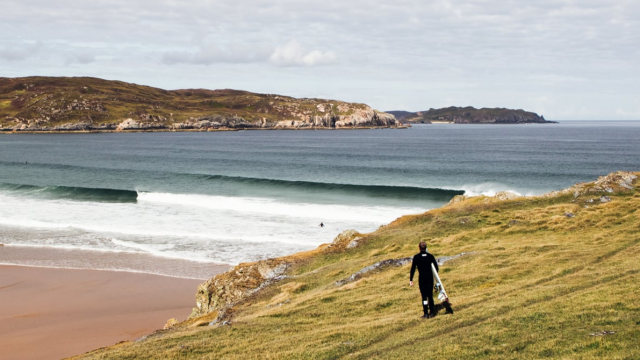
54 313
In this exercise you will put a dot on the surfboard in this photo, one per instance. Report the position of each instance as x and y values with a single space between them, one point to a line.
442 293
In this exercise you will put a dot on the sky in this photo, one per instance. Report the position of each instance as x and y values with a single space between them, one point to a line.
564 59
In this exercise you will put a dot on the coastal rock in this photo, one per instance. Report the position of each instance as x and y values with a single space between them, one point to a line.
353 243
506 195
344 240
170 323
616 181
378 265
72 127
225 290
359 118
214 122
393 262
457 199
605 199
128 124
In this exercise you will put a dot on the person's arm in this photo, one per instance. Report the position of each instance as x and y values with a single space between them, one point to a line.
435 263
413 270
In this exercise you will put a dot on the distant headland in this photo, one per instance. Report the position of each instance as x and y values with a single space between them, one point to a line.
81 104
470 115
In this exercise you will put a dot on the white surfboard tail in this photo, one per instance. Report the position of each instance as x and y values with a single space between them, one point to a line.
442 293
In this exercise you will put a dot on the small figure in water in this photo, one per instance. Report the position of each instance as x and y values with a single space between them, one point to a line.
321 224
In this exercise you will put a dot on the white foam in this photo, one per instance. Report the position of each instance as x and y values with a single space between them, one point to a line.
13 221
274 208
490 189
196 228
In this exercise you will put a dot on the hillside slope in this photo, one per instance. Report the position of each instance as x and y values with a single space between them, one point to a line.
549 276
471 115
72 104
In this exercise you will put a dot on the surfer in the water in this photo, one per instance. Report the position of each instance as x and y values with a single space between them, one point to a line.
321 224
423 261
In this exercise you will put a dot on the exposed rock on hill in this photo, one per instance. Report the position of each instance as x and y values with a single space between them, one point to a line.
90 104
227 289
616 181
470 115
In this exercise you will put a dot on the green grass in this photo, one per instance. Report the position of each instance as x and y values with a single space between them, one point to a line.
535 289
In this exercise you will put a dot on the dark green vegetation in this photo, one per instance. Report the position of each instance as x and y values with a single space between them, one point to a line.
46 102
551 277
470 115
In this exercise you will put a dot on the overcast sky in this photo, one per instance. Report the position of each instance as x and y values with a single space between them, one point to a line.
563 59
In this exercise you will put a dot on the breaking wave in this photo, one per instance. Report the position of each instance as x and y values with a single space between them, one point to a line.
73 193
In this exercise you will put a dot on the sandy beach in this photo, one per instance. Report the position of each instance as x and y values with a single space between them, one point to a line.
55 313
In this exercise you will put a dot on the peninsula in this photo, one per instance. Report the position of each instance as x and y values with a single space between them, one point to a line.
471 115
76 104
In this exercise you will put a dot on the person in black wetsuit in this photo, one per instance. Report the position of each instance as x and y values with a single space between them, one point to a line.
423 261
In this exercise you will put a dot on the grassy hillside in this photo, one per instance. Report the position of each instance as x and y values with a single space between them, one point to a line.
50 101
546 273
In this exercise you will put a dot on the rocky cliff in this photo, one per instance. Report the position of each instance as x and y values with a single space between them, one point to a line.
471 115
90 104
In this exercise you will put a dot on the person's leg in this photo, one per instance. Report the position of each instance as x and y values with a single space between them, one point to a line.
424 294
432 305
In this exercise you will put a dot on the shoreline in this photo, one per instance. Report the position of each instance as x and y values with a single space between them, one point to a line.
107 270
54 313
99 131
95 260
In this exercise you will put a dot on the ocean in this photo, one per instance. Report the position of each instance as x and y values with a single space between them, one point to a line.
179 204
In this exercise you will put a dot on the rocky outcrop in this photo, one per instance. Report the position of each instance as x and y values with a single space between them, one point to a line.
225 290
506 195
379 265
499 196
614 182
359 119
130 124
393 263
619 181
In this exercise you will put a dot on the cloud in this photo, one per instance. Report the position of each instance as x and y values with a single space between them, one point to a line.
19 52
294 54
291 54
413 52
211 53
83 58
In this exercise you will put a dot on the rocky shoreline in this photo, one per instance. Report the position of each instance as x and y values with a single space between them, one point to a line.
371 120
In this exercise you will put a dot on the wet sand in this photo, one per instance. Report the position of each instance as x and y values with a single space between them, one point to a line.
55 313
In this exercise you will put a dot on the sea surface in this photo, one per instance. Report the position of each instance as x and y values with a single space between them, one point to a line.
177 204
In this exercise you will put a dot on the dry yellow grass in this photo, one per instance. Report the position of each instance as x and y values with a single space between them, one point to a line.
538 284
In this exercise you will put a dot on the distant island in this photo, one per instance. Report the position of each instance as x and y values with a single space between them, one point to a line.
470 115
70 104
